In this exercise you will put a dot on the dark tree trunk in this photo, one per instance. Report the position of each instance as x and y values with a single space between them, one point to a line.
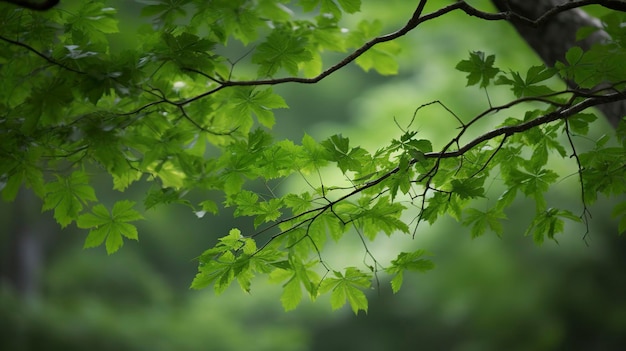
24 243
552 40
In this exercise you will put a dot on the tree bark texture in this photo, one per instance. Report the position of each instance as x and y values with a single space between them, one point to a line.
552 39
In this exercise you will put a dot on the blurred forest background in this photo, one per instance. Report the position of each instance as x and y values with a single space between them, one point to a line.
489 293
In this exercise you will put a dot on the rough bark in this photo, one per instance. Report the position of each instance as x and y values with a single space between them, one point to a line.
552 40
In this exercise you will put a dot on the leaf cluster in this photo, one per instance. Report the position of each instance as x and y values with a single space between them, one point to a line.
179 113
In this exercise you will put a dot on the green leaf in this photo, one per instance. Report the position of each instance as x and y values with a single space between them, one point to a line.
528 86
585 31
247 100
383 216
235 257
268 211
468 188
437 205
164 196
281 49
481 221
381 58
534 183
166 11
298 203
408 261
315 154
110 226
348 159
218 272
548 223
401 180
22 172
298 275
292 294
422 145
67 196
93 17
574 55
331 7
350 6
207 206
187 50
479 67
579 123
349 288
620 211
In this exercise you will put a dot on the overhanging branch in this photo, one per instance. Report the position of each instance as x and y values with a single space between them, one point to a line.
551 39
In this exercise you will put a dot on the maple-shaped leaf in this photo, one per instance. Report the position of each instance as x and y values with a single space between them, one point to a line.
383 216
281 49
409 261
110 226
548 223
298 274
247 100
380 57
468 188
481 221
93 19
479 67
348 287
67 196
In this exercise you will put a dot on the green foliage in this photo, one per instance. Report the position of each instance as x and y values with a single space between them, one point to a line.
480 68
177 111
348 288
407 261
110 226
283 49
67 196
528 86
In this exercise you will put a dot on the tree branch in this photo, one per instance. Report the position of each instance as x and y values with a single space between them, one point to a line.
36 52
562 113
416 19
34 5
552 39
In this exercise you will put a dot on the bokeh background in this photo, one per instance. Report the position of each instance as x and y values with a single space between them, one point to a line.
487 293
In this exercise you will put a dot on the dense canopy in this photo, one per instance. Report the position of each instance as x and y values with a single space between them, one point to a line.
188 104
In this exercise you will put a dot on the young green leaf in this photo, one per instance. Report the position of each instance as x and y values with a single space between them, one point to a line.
407 261
110 226
348 287
548 223
298 275
468 188
281 49
67 196
479 67
481 221
246 100
620 211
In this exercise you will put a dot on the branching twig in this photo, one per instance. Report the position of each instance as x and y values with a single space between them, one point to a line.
34 5
564 111
36 52
586 213
415 20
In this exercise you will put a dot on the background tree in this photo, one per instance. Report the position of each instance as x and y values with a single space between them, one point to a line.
177 110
